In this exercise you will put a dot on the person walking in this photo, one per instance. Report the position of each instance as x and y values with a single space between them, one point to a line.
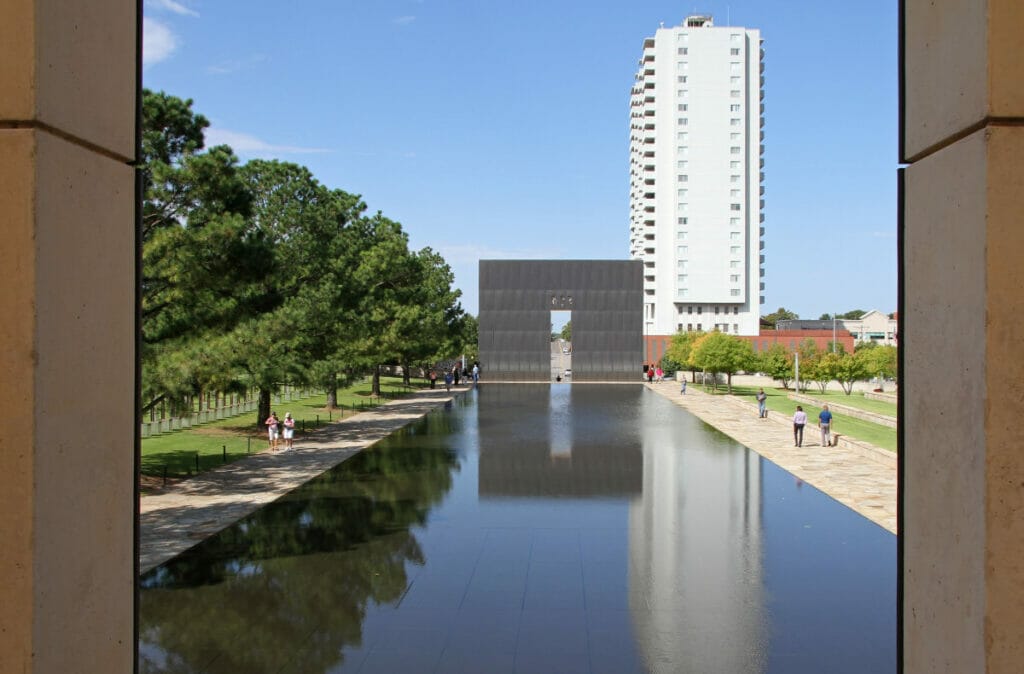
659 375
272 432
682 389
762 404
650 374
455 375
433 378
476 373
289 431
825 424
799 421
448 377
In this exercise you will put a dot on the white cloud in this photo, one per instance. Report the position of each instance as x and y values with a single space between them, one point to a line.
158 42
244 144
404 20
172 6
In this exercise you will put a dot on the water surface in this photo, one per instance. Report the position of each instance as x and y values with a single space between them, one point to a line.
533 528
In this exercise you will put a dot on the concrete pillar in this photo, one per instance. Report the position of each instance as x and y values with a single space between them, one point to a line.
67 347
963 265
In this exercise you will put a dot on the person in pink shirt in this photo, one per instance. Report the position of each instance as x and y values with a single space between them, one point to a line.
799 421
272 430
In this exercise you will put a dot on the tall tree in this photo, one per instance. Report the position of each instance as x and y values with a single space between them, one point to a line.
680 350
769 320
777 363
718 352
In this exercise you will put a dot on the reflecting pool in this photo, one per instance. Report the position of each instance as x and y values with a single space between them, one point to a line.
534 528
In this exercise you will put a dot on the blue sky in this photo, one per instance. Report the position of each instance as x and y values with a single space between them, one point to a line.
500 129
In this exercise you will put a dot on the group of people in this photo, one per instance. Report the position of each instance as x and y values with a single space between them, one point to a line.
655 373
824 425
455 375
278 430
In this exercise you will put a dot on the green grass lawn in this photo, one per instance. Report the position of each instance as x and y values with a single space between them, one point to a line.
227 440
778 401
855 399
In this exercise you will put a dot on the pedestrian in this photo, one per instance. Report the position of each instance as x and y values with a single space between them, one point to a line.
825 424
659 375
650 374
762 404
682 390
476 373
448 377
455 375
272 433
433 378
799 421
289 431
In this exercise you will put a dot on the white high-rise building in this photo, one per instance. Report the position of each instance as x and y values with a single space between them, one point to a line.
696 174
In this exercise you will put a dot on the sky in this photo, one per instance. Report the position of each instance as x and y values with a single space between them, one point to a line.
500 130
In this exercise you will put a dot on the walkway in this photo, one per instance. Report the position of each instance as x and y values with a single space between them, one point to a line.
194 509
846 473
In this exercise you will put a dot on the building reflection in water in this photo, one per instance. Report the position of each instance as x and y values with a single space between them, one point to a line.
695 571
696 549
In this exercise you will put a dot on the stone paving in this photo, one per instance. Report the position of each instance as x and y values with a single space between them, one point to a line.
859 476
194 509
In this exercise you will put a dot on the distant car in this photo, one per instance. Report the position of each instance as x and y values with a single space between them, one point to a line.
567 373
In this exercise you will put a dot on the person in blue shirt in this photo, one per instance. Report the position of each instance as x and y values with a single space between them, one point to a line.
825 424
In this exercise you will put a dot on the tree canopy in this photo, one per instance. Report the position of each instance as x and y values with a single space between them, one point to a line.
256 274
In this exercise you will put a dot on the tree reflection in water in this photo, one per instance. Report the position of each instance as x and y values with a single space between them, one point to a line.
291 583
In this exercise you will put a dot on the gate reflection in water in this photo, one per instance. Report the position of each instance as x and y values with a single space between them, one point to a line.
536 528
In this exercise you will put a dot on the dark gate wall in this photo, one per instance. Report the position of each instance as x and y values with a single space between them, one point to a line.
516 301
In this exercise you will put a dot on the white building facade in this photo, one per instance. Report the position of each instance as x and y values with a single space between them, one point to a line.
696 178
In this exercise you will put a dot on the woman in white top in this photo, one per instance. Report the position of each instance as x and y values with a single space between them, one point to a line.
799 421
289 431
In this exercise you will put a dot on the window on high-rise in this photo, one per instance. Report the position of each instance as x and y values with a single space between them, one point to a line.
734 79
684 178
735 107
735 292
734 164
734 150
734 52
682 51
683 121
734 67
734 136
683 107
735 121
682 164
734 264
734 207
735 310
734 236
734 179
734 250
734 193
681 79
735 93
734 221
735 37
684 221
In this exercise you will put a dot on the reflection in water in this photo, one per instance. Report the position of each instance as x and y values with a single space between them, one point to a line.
286 577
530 528
696 549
